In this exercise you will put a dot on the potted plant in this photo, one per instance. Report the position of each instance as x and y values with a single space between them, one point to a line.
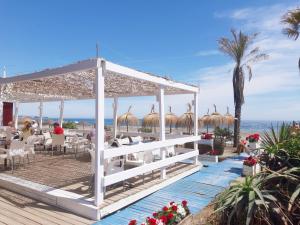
253 141
250 166
172 214
212 156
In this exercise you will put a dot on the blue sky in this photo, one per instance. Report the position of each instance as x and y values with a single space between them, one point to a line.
174 38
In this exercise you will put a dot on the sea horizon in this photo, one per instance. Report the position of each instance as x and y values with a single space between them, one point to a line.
247 126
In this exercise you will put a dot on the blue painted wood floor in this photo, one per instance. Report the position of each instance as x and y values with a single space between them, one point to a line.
198 189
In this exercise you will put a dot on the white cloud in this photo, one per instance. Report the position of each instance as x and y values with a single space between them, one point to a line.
275 89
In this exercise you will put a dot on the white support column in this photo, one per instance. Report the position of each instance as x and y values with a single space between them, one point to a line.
196 99
99 160
16 114
61 114
1 113
115 125
161 99
1 103
41 115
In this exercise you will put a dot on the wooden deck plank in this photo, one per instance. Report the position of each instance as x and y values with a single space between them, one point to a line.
8 220
39 212
16 215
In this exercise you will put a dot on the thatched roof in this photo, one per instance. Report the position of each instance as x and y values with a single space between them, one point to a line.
152 119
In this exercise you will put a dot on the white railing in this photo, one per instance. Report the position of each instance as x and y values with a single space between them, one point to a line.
151 135
126 174
124 150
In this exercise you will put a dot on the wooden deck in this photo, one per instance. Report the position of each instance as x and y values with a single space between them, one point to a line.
74 175
16 209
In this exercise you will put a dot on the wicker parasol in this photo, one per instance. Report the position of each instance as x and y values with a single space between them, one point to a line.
187 119
205 120
228 118
127 119
152 119
171 119
216 119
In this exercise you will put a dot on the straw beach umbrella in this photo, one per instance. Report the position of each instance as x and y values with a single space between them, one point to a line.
152 119
171 119
128 119
228 118
216 119
205 120
187 119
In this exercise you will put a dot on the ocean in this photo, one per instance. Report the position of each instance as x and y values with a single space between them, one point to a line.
247 126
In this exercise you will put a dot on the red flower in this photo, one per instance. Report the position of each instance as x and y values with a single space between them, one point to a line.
170 216
164 219
151 221
250 161
214 152
184 203
165 208
243 142
171 203
155 214
174 208
132 222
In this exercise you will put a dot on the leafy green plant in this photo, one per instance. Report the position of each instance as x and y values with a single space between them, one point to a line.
69 125
223 132
272 139
282 147
267 198
145 130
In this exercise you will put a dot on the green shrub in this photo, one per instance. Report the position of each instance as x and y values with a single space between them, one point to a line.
145 130
267 198
223 132
69 125
282 147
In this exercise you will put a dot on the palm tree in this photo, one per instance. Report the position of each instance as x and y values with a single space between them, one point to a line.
292 20
241 50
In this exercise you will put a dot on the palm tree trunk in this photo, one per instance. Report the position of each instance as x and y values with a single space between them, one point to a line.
238 92
237 124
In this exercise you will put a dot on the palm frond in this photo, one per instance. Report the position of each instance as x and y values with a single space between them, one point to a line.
292 20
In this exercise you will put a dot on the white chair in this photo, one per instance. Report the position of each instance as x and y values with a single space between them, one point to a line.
29 146
139 159
110 167
76 144
47 140
136 140
170 151
113 166
58 140
16 149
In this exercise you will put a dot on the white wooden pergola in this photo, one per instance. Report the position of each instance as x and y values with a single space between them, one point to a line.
99 79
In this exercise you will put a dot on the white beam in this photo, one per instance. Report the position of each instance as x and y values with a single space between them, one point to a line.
71 68
41 115
145 76
99 156
162 126
61 113
16 114
115 117
196 112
